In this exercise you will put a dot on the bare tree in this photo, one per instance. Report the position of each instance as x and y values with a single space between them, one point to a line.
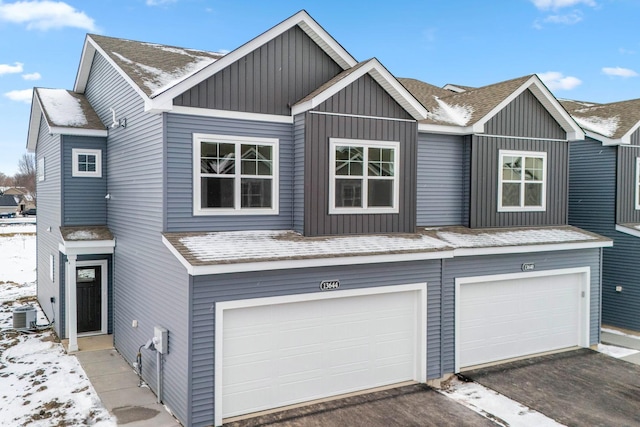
26 176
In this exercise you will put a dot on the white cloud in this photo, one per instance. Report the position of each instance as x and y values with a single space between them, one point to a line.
159 2
32 76
11 69
45 15
558 81
20 95
624 51
559 4
569 19
619 72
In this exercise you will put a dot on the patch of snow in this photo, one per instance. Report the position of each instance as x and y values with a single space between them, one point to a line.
62 108
512 238
615 351
158 80
617 332
495 406
41 384
18 226
606 126
457 114
243 245
82 235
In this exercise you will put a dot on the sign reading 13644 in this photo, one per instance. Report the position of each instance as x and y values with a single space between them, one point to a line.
327 285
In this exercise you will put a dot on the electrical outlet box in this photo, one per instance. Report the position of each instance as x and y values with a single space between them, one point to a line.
161 339
618 288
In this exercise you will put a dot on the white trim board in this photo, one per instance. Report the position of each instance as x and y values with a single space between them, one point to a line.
584 339
221 307
104 297
626 230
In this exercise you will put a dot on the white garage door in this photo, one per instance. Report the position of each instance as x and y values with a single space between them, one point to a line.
503 319
278 354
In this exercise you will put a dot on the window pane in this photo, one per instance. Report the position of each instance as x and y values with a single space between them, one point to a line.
216 192
380 193
255 193
265 152
378 166
249 151
533 169
248 167
510 194
348 193
532 194
91 167
217 158
264 167
511 168
349 160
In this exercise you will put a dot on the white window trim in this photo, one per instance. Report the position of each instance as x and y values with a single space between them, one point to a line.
52 264
90 152
395 145
522 208
41 169
637 183
237 210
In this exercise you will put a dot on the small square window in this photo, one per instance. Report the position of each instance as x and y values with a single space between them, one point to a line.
87 163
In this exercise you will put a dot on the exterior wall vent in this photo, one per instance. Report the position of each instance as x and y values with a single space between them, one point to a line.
24 317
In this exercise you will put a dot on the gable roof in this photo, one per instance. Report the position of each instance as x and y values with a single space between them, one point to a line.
64 112
7 200
467 112
612 123
159 73
379 73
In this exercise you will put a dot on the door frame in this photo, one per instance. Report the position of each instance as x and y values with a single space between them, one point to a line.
220 307
104 295
585 306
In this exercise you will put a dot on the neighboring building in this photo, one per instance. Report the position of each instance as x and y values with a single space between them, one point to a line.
303 224
605 198
9 205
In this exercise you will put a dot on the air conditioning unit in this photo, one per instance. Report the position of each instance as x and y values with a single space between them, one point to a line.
25 317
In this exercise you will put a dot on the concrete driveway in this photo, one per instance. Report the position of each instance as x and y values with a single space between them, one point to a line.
575 388
413 405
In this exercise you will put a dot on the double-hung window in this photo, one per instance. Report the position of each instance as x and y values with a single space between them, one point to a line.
522 181
363 176
235 175
637 183
87 163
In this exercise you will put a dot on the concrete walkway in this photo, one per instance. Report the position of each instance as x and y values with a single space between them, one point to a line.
632 342
116 383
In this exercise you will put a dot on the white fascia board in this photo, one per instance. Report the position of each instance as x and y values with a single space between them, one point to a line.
227 114
382 76
501 250
34 123
603 139
87 247
86 59
78 131
302 18
626 138
626 230
81 84
445 129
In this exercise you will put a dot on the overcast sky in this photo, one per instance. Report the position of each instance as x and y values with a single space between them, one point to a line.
583 49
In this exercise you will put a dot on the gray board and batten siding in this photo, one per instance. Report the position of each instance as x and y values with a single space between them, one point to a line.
389 123
49 221
179 170
626 188
208 290
516 128
268 80
83 198
442 176
149 284
298 172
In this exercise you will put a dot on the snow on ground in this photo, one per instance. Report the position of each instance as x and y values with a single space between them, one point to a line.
40 385
491 404
615 351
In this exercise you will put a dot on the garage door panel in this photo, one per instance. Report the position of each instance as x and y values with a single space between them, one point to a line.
347 344
511 318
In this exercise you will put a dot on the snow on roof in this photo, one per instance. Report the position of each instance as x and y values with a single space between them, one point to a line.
475 239
456 114
606 126
243 246
62 108
158 80
97 232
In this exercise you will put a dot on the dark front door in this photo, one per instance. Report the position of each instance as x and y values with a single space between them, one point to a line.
89 298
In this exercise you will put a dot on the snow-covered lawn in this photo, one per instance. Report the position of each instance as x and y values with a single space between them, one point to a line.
40 385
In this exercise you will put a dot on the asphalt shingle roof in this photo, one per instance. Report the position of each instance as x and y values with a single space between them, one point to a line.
64 108
613 120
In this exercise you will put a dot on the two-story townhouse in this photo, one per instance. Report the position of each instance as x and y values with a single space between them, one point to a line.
604 198
312 225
